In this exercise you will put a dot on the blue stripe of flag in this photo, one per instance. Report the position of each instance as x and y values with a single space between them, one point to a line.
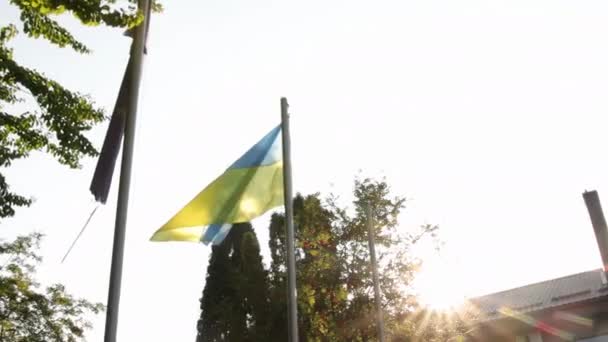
266 152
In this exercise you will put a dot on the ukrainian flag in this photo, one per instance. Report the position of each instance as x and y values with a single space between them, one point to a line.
250 187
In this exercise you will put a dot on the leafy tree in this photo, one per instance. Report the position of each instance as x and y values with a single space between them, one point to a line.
235 303
334 281
321 290
335 289
38 113
423 325
30 314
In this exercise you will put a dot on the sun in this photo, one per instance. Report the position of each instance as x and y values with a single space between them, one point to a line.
439 299
439 286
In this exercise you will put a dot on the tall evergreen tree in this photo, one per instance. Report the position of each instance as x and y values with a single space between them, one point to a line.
235 301
216 295
254 290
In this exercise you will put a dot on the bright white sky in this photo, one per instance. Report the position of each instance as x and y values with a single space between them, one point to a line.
488 114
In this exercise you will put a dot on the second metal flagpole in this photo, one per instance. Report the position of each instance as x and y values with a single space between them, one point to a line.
292 313
372 252
125 177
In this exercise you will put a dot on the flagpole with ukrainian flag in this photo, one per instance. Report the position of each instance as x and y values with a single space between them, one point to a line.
258 181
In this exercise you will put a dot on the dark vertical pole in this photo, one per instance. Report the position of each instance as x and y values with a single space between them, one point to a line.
291 257
592 200
125 178
372 252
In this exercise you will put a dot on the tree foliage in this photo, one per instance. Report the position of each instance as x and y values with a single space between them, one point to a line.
322 288
29 313
334 278
423 325
335 289
235 303
36 112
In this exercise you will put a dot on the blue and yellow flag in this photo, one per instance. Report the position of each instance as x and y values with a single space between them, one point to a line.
250 187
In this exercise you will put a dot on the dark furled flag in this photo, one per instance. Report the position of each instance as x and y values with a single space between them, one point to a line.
102 179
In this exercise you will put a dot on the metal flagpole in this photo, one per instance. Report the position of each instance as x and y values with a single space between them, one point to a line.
125 176
291 257
372 252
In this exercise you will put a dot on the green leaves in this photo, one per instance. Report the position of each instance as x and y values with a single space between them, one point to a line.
335 291
28 313
10 200
7 33
334 283
36 25
56 126
58 118
122 14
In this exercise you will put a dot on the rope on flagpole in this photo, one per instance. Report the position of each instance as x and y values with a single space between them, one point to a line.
86 224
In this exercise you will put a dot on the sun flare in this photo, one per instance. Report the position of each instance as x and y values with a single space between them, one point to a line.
439 286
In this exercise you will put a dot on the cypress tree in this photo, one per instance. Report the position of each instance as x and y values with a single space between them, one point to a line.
213 324
235 301
254 288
